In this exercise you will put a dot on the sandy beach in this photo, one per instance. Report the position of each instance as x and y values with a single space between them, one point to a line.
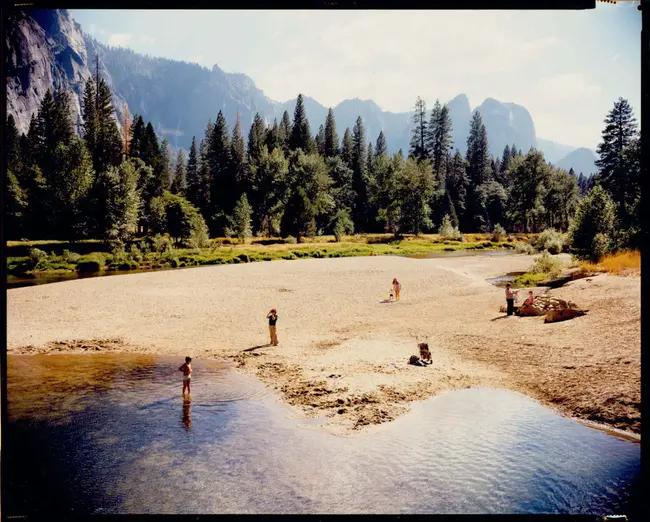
343 351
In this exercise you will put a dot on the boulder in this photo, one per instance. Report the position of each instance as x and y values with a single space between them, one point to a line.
554 316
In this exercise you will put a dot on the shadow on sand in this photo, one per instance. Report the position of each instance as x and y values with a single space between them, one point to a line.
503 317
253 348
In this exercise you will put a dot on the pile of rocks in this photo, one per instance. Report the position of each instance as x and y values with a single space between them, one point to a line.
555 309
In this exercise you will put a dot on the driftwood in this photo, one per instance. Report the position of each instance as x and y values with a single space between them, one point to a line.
555 309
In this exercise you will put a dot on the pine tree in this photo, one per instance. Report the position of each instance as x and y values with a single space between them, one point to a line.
309 200
370 159
528 174
456 187
238 166
194 182
108 149
269 179
166 171
12 146
478 172
137 137
331 137
179 183
360 177
123 200
418 146
68 185
347 149
256 139
284 132
240 223
514 152
619 132
416 188
300 133
320 141
439 143
90 119
222 180
127 131
381 147
272 136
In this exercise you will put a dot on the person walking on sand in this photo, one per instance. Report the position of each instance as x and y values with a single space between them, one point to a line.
186 368
272 316
397 287
510 299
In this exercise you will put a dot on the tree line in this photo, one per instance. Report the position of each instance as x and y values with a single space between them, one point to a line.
116 182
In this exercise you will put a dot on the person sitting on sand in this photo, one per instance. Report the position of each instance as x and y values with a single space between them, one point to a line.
272 316
186 368
530 300
397 287
510 299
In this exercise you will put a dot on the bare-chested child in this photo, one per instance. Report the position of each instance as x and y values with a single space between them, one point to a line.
530 300
186 368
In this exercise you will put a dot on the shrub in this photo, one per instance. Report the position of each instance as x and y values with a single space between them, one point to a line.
118 252
600 245
244 258
71 257
528 280
180 219
547 264
447 230
593 227
128 265
36 259
135 254
291 240
91 263
162 244
550 240
524 248
498 233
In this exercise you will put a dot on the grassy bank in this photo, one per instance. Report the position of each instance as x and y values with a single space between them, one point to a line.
547 268
61 256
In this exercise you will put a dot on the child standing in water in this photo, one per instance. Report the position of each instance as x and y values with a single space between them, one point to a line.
397 287
186 368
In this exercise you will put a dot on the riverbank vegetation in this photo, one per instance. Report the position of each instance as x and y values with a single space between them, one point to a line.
160 251
117 184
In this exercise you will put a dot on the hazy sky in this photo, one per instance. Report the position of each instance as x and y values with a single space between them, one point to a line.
566 67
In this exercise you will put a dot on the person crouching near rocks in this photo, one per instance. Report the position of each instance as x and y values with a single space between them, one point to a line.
530 300
272 316
510 299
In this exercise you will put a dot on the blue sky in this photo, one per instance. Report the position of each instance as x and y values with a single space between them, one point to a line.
566 67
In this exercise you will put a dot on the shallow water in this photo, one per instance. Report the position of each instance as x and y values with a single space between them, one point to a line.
111 434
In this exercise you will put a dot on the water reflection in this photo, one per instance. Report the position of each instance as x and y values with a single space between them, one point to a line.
187 412
236 451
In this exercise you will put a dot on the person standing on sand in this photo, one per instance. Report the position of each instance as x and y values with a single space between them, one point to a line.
510 299
186 368
397 287
272 316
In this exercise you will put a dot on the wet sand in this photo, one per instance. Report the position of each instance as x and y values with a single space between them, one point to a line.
343 350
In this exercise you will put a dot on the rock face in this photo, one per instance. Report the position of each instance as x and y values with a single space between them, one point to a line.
47 49
44 51
581 160
507 123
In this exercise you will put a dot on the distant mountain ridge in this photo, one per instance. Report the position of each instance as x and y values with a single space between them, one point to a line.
47 49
